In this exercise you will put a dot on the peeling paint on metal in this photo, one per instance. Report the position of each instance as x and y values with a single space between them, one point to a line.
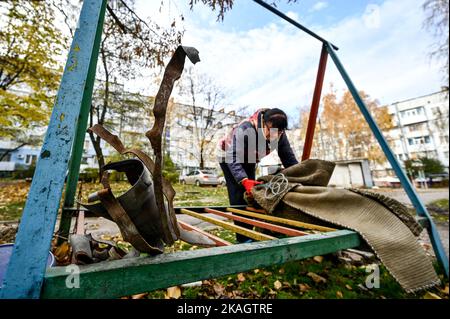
45 154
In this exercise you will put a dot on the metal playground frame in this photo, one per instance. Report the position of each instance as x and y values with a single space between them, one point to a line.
27 276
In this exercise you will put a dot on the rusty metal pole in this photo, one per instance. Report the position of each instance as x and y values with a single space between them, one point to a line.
315 104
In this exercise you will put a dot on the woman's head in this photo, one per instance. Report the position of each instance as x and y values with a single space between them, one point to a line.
275 123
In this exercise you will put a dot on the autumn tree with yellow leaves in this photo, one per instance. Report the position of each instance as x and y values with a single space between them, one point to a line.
29 70
341 130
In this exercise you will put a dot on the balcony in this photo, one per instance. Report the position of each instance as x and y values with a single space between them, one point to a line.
7 166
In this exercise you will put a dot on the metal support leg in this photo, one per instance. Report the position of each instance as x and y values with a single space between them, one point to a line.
26 269
78 145
315 104
419 206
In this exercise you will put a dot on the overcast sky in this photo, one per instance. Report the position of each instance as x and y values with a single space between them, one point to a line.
262 61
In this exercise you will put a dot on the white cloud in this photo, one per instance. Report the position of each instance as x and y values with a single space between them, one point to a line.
276 65
293 15
319 6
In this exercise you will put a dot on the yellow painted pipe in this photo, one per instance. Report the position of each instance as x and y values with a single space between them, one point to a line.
237 229
281 220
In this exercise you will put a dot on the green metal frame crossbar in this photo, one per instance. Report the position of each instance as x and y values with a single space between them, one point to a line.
27 276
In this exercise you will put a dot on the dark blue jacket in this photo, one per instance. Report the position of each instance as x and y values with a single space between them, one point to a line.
245 149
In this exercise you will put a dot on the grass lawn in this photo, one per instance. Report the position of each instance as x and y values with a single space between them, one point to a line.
13 196
313 278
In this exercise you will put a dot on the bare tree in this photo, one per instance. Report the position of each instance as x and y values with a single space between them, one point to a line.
436 21
341 131
129 44
205 115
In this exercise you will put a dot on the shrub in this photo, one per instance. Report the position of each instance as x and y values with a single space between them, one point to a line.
23 172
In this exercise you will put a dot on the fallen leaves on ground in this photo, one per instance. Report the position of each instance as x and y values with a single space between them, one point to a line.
316 278
173 293
62 253
241 277
318 259
219 289
277 284
14 192
304 287
430 295
139 296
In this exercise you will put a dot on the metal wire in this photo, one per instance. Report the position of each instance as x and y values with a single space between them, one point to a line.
277 185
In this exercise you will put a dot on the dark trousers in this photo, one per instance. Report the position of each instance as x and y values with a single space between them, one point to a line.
236 192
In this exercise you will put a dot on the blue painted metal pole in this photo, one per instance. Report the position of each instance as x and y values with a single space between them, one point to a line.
78 144
419 206
26 269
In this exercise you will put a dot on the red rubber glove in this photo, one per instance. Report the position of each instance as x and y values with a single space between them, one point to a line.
249 184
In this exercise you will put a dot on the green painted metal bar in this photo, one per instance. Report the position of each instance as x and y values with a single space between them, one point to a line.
26 269
78 145
137 275
410 191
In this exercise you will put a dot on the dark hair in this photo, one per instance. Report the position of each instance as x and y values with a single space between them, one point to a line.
277 118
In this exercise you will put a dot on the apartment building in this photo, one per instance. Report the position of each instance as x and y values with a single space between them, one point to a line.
420 130
192 134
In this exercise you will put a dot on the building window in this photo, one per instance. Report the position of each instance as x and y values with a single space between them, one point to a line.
30 159
436 110
416 127
412 112
427 140
7 158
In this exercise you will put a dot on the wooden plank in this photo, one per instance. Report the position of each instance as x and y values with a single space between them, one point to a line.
219 241
257 223
200 209
126 277
237 229
281 220
27 265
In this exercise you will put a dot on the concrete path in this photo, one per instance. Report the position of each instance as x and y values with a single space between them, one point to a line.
427 196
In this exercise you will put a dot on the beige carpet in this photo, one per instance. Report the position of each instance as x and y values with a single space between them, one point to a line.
383 225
